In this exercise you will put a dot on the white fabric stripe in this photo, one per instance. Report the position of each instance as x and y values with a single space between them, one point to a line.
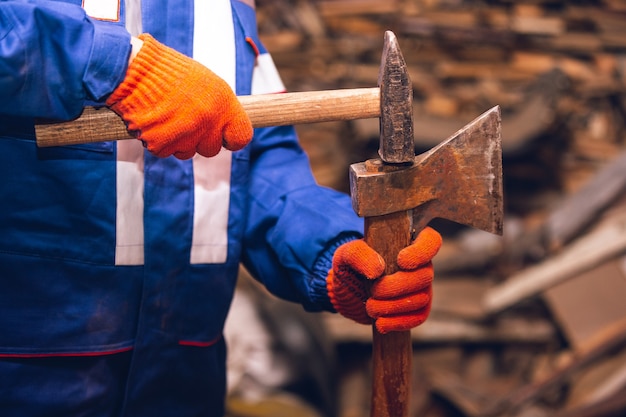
129 244
134 24
214 47
214 38
265 79
129 239
211 204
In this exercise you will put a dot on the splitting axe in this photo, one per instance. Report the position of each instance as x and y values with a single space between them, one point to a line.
397 194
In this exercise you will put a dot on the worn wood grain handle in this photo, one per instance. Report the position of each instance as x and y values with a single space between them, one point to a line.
100 125
392 352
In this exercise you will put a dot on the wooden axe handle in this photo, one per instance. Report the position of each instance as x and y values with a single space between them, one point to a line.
392 352
100 125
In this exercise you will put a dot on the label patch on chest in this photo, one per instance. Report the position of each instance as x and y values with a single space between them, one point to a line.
108 10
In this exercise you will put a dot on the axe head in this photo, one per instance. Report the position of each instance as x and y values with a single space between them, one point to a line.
459 180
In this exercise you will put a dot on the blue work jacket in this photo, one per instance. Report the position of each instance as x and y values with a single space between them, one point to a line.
79 275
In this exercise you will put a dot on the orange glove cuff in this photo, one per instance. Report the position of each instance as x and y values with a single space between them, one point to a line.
348 296
178 106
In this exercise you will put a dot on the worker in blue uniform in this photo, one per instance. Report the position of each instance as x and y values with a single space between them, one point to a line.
118 260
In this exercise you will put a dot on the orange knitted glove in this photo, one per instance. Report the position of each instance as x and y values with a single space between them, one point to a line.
395 302
176 106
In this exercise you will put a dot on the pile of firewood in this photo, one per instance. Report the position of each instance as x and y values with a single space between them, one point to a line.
532 323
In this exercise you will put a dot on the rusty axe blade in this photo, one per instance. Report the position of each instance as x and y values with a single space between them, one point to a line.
458 180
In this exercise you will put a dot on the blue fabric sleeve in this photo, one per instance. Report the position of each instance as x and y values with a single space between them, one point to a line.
294 224
54 58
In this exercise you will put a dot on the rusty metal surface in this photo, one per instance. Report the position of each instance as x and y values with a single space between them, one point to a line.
458 180
396 105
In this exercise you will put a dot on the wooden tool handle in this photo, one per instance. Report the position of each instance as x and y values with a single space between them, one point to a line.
311 106
391 353
100 125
